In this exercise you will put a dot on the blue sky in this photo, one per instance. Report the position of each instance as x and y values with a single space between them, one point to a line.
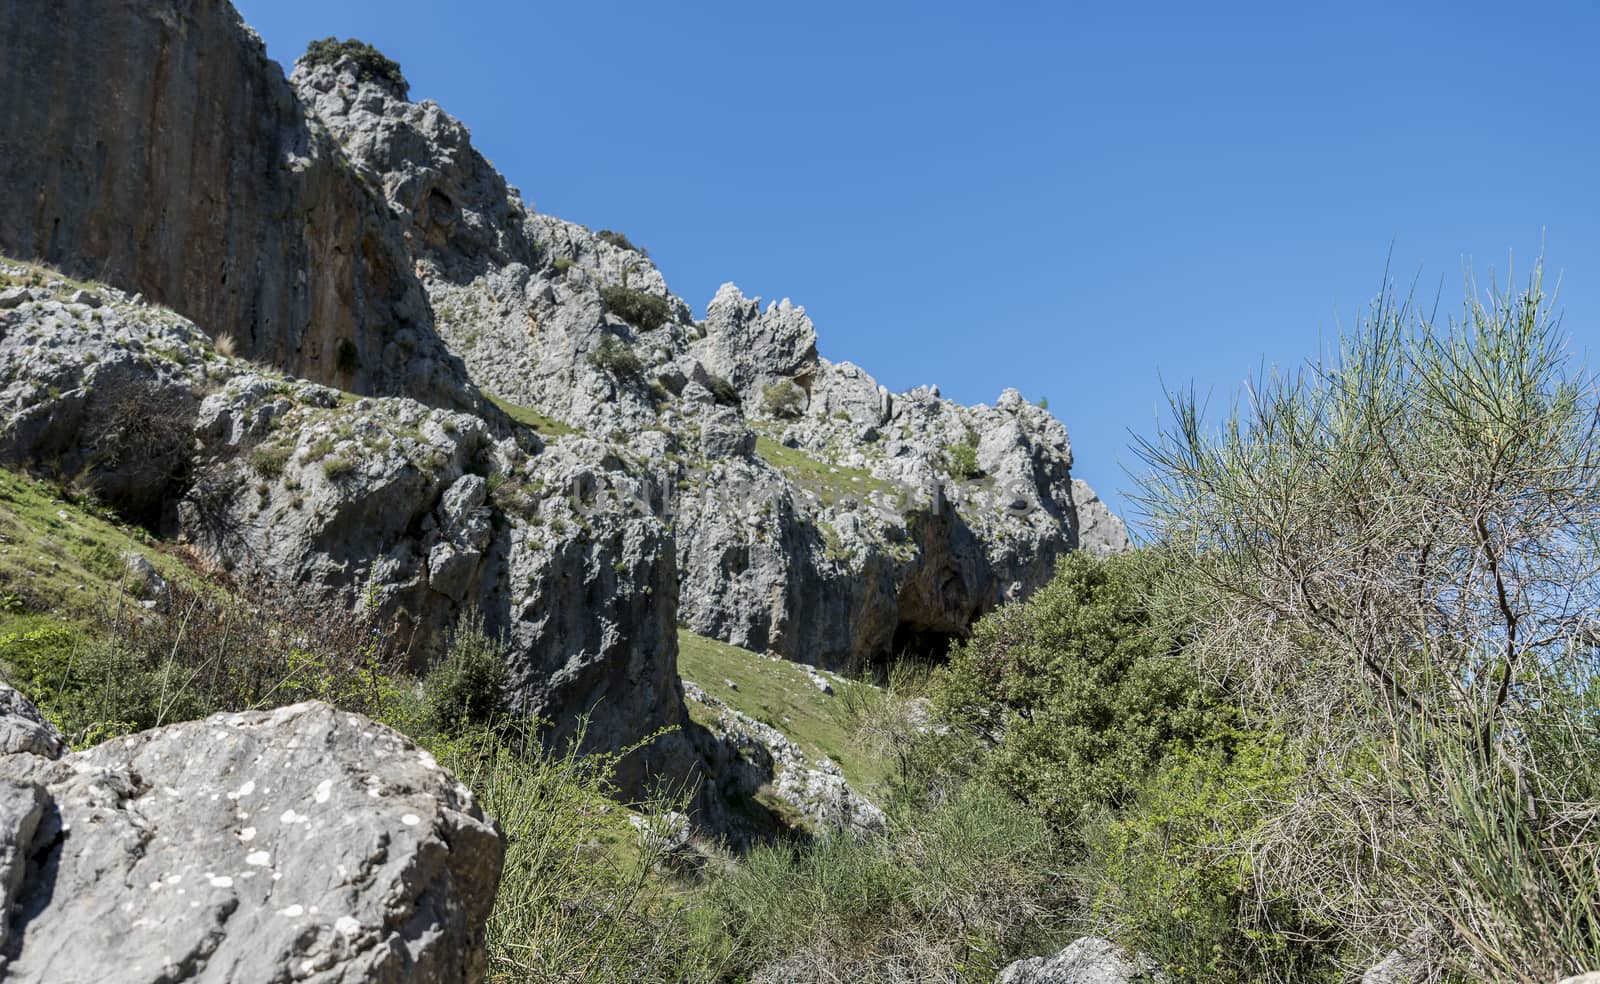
1082 201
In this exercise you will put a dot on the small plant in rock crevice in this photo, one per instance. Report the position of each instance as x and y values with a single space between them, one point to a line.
617 357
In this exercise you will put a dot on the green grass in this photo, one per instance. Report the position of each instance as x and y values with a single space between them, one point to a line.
62 558
830 482
779 693
546 425
38 274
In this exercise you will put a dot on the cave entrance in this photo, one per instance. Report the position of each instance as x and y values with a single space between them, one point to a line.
922 644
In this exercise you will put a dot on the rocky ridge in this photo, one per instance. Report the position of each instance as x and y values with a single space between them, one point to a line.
716 472
816 514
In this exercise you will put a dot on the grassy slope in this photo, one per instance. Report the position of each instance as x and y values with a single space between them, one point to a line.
64 560
546 425
779 693
830 482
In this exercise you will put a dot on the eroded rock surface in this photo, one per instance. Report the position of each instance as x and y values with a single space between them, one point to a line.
748 758
304 843
24 730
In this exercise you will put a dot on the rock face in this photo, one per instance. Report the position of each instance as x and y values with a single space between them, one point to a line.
746 756
24 730
889 522
304 843
717 473
151 144
1088 960
422 512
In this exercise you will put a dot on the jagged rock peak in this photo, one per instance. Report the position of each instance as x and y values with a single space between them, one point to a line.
755 349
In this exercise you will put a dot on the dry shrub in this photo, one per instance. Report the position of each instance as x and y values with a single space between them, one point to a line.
1395 555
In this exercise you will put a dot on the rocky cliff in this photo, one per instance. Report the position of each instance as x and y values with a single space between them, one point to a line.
343 274
380 501
816 514
151 144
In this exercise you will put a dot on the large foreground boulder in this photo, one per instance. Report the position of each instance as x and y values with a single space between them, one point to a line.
304 844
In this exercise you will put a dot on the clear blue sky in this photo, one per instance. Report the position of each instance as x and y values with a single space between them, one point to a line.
1082 201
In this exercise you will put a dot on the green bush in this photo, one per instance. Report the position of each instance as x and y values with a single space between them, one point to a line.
621 241
1172 878
579 897
1392 551
202 651
962 459
783 399
955 890
563 264
1077 693
337 468
371 65
468 686
268 460
617 357
645 311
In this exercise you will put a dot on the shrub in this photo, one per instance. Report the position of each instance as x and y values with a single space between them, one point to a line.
371 65
468 685
1075 693
617 357
268 460
570 908
620 241
1394 553
644 311
723 391
962 459
1172 876
954 890
337 468
563 264
205 651
783 399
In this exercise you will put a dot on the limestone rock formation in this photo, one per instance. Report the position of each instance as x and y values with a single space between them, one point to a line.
24 729
891 521
378 501
304 844
350 242
152 144
747 757
1087 960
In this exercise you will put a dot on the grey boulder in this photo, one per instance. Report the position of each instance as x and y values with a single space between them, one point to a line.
23 729
1087 960
304 843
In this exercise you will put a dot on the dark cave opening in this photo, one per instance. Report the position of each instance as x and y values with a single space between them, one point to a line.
919 643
